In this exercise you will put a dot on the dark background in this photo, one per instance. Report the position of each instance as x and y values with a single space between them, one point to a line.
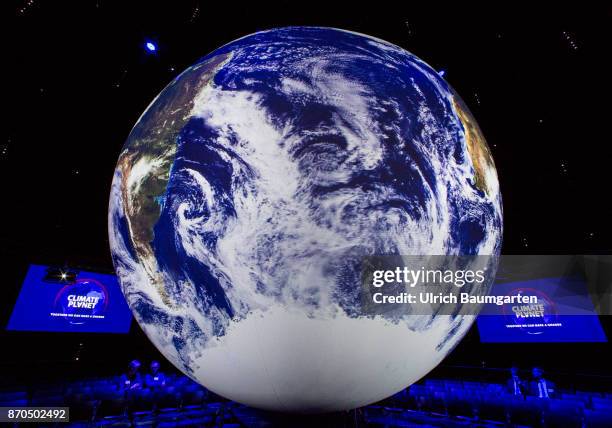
77 77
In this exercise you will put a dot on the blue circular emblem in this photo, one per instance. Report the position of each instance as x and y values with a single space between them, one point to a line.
82 300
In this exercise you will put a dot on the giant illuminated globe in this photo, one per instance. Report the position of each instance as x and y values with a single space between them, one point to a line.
253 184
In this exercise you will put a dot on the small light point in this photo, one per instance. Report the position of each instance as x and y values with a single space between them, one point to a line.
151 47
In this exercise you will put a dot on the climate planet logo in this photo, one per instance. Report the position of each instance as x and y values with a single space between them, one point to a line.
81 301
533 318
89 302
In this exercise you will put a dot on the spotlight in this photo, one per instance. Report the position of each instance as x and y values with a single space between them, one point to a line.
60 275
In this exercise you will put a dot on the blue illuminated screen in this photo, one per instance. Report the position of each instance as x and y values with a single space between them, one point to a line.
86 302
564 312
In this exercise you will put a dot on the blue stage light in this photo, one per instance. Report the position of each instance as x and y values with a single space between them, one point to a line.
151 47
442 73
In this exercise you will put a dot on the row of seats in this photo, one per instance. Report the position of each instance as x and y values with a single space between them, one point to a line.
586 399
99 402
392 417
489 387
94 388
491 403
165 407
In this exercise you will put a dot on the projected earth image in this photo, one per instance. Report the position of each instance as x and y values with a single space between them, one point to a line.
251 188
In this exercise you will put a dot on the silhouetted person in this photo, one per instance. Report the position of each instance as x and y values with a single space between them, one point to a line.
131 378
540 386
515 385
155 378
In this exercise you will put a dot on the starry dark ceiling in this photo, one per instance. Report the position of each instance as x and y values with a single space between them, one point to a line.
80 74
